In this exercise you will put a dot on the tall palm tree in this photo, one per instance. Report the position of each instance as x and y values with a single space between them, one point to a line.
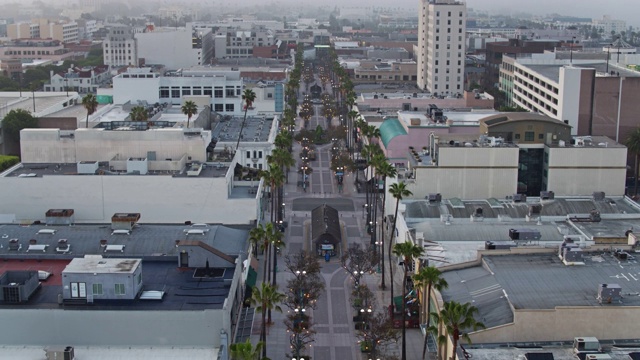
260 235
385 170
256 237
398 191
264 299
138 113
633 144
246 350
427 278
283 159
409 252
249 97
90 103
189 108
456 318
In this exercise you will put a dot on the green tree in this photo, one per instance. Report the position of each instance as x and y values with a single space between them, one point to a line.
17 120
428 278
282 158
246 351
257 239
408 251
456 318
90 103
138 113
249 97
633 144
189 108
264 299
398 191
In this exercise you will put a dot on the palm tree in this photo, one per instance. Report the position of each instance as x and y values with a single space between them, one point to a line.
138 113
189 108
275 242
260 235
427 278
249 97
264 299
456 318
246 350
409 252
90 102
385 170
282 158
256 237
633 144
398 191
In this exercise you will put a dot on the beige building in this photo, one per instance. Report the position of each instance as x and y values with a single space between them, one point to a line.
35 49
440 51
64 31
385 72
518 153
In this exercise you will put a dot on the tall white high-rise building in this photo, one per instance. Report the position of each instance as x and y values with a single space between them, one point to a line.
441 46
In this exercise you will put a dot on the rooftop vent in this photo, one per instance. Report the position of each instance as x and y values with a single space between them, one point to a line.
519 198
87 167
66 353
598 195
609 293
434 198
547 195
524 234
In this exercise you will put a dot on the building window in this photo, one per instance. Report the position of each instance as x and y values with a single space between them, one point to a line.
207 91
218 107
529 136
97 289
260 154
248 154
541 136
175 92
164 91
217 93
197 91
516 136
229 107
186 90
119 288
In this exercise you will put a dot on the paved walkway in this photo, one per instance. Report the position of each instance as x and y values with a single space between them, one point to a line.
332 320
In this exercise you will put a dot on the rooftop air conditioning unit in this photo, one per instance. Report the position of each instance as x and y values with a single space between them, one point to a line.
598 195
60 354
547 195
519 198
609 293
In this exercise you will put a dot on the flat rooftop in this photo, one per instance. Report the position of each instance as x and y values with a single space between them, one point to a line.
558 352
213 170
418 210
44 101
76 111
183 291
539 282
144 241
256 129
9 352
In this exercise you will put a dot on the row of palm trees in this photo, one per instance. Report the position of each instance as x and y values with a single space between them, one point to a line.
268 238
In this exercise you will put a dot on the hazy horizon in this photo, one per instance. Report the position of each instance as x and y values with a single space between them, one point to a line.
627 10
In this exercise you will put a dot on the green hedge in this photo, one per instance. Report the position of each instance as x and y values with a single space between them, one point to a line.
8 161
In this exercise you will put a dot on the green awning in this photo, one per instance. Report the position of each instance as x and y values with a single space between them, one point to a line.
252 277
397 302
389 129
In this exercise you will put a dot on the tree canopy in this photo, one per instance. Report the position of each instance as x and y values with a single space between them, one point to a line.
17 120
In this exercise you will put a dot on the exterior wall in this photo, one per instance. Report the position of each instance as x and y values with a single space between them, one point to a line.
173 49
529 85
46 145
108 282
474 173
396 73
615 107
120 47
581 171
569 97
198 257
96 198
153 88
563 324
54 51
53 327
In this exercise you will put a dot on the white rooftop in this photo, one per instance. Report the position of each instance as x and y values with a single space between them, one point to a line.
11 352
102 265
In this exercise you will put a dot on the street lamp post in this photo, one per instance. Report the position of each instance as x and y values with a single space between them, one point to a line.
299 310
573 40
